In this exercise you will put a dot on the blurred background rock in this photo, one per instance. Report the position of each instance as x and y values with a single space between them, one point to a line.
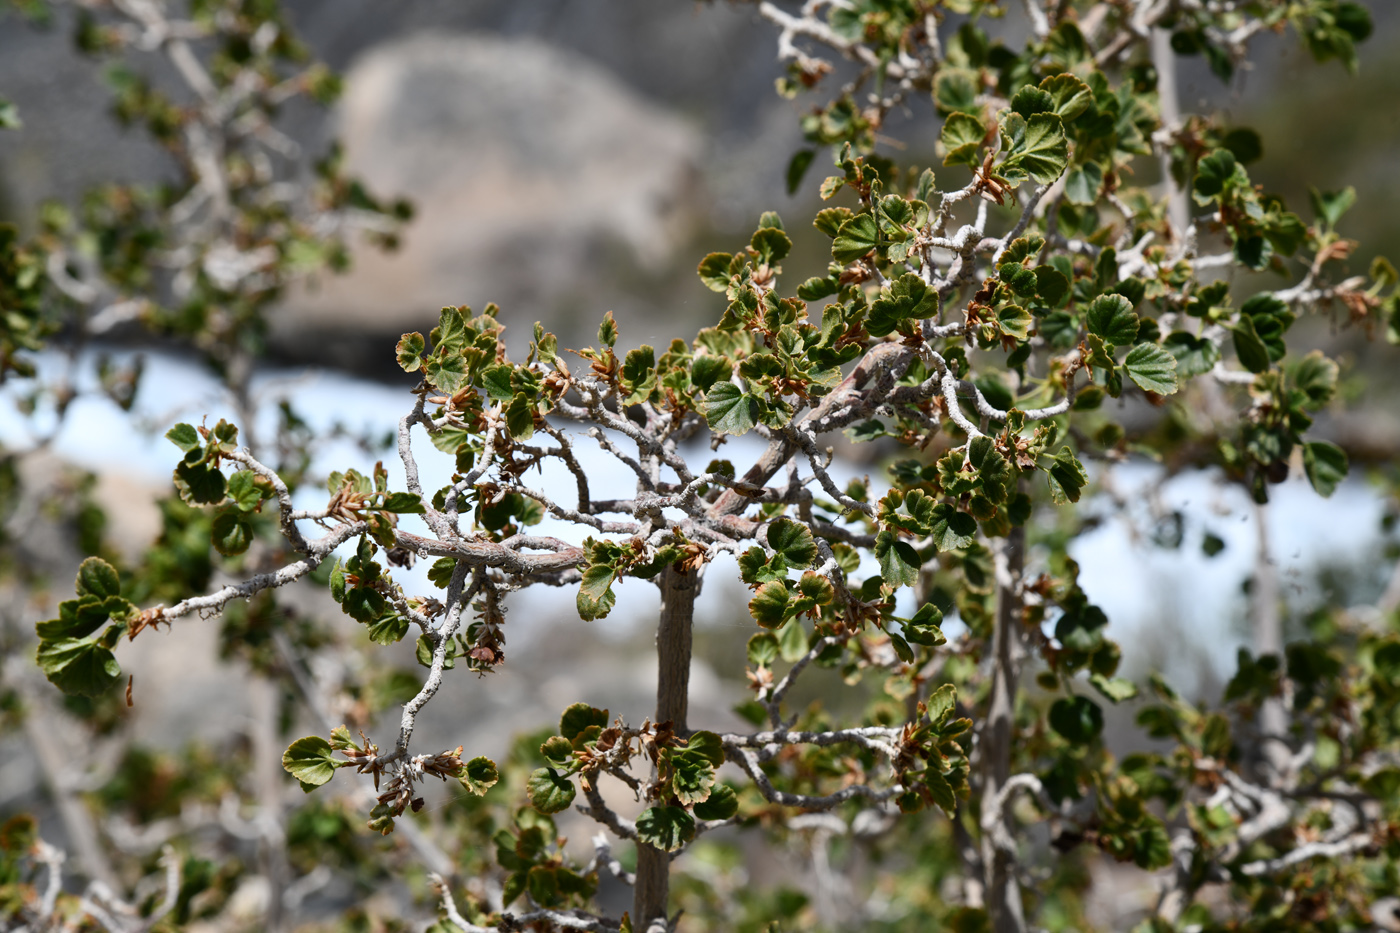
500 119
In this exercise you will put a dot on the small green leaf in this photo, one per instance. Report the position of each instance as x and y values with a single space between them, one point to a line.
714 271
520 417
771 244
1111 317
729 410
1195 356
962 136
230 532
595 595
955 89
1316 377
1151 846
545 345
705 371
797 168
1245 144
909 298
815 289
941 703
899 562
1212 174
200 484
1018 278
793 541
1116 689
857 236
311 760
578 718
364 604
792 640
1069 96
1038 148
923 628
707 746
388 629
337 581
79 667
607 331
409 352
380 528
769 604
404 503
223 437
183 436
79 618
423 649
1152 368
558 750
762 649
451 330
244 490
829 220
1254 356
1078 719
1083 184
665 828
97 578
1326 465
479 775
951 529
1029 100
1330 206
722 804
550 791
1066 476
941 792
1051 285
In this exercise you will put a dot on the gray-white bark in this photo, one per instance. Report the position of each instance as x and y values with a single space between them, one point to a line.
1002 892
673 648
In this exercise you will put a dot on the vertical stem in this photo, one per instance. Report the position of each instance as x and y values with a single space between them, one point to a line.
58 767
1002 892
1390 599
268 779
673 640
1164 60
673 643
264 697
1268 638
238 376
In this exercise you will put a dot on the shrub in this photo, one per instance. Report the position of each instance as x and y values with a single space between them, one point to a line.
977 315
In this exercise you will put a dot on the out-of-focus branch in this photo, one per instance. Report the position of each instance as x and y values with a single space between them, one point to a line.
78 824
1268 639
557 919
1164 60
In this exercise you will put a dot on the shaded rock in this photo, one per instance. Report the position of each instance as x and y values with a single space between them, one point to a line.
536 176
